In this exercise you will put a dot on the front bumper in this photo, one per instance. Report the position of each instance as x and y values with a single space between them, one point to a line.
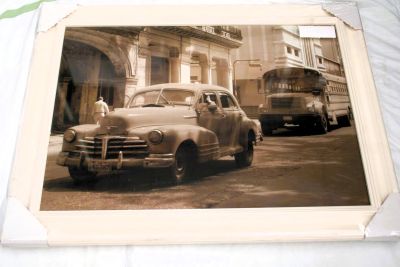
259 136
94 164
279 120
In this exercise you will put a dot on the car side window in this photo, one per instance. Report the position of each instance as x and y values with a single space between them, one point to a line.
208 97
205 99
227 101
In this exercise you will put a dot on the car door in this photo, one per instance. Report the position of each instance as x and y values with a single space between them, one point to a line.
208 118
230 127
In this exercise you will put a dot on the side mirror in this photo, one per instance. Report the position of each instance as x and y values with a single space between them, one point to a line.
212 106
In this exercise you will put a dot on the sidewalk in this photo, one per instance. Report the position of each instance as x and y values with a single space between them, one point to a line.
55 139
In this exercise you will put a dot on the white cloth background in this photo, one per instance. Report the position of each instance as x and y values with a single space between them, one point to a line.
381 23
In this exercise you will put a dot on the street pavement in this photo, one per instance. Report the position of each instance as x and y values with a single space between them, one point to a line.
290 169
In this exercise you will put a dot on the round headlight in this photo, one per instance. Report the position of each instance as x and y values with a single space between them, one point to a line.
156 136
69 135
311 106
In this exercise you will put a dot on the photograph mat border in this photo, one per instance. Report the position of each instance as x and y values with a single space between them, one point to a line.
202 225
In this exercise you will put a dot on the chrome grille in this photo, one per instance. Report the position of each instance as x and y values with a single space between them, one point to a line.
109 147
286 102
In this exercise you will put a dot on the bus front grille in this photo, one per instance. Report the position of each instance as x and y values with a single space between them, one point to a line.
285 102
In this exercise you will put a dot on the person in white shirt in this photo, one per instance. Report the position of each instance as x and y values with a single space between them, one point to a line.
100 110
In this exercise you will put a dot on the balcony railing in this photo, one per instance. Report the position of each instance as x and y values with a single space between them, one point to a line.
225 35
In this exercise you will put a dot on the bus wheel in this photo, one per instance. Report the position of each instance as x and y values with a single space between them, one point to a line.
266 130
322 124
306 128
345 121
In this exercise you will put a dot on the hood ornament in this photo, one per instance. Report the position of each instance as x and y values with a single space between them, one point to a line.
104 146
109 128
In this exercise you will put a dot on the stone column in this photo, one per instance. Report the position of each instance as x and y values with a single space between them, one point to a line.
130 88
230 78
222 73
119 93
174 65
175 69
185 68
83 108
89 89
213 72
62 100
143 66
205 72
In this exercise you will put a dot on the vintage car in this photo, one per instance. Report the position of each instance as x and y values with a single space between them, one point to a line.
171 126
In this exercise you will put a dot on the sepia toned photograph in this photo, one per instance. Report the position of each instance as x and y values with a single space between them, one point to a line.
200 117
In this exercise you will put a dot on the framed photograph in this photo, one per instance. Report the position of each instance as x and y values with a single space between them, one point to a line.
147 125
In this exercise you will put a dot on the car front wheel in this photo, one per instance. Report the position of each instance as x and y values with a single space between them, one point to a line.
182 168
80 176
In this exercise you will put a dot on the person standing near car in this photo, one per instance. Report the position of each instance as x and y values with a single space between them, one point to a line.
100 110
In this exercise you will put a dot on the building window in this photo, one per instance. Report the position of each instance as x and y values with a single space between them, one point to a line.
159 70
320 61
288 49
296 52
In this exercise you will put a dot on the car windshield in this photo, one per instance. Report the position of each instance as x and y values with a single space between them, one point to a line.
163 97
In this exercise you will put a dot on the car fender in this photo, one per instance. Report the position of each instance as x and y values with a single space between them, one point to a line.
174 135
81 132
247 126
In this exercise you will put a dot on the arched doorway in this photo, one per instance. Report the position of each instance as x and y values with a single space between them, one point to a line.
85 74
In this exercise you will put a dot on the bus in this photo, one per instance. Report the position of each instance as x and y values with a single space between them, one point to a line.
305 97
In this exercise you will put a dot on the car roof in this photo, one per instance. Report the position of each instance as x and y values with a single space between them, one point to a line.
190 86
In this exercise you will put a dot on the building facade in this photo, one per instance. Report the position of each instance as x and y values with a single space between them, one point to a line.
276 47
114 62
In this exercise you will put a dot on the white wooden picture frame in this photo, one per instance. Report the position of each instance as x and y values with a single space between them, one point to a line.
179 226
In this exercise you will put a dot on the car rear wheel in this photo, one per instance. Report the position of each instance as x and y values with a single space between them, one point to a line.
80 176
245 158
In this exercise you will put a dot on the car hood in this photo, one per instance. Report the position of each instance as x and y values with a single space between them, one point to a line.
122 120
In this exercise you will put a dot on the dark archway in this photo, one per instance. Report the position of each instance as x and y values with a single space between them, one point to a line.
85 74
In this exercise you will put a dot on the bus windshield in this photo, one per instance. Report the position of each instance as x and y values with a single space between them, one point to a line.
293 80
293 85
